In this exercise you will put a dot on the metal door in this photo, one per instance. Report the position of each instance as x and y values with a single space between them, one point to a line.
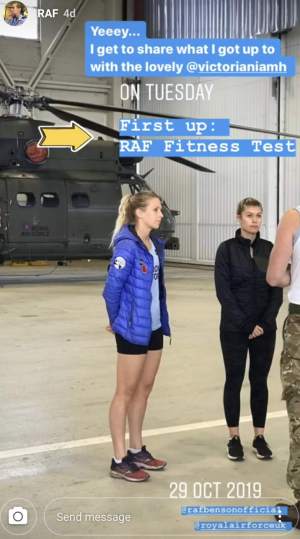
37 216
93 208
3 216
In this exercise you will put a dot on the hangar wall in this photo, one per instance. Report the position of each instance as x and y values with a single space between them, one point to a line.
65 76
207 202
290 174
220 18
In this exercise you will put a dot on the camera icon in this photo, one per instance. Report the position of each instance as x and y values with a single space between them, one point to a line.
18 516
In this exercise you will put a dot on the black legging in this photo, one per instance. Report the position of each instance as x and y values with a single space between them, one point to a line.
235 347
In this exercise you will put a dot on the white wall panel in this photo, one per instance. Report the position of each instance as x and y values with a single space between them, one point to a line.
290 182
177 185
207 202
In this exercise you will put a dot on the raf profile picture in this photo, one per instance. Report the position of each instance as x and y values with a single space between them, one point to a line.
15 13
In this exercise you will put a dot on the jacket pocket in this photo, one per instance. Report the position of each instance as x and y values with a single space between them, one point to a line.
130 315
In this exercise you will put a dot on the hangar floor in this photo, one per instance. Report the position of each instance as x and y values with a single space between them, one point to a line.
57 378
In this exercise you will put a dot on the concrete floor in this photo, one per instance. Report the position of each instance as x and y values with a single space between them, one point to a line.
57 378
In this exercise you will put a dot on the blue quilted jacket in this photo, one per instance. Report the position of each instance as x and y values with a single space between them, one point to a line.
127 290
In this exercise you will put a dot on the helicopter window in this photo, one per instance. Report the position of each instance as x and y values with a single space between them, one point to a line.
49 200
25 200
80 200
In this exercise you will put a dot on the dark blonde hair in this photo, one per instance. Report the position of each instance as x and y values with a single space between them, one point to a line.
127 208
20 5
248 201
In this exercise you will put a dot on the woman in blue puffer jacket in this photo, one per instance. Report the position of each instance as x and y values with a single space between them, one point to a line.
135 297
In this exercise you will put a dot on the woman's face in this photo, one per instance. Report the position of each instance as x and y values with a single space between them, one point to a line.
15 10
250 219
152 215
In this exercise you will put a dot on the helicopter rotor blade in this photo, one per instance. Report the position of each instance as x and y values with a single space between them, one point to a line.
109 108
113 133
69 117
267 131
191 164
144 176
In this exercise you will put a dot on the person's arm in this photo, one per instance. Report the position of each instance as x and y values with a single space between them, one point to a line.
278 273
119 270
230 307
269 316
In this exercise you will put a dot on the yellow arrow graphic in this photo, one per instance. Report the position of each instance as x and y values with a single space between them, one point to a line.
72 136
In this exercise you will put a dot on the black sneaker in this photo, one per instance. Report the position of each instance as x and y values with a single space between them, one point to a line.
293 515
261 448
235 449
127 470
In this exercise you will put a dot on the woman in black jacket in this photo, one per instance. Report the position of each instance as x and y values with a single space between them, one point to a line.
248 323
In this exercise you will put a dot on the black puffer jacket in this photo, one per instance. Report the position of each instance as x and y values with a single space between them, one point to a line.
240 279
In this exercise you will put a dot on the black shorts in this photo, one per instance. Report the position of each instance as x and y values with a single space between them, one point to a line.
125 347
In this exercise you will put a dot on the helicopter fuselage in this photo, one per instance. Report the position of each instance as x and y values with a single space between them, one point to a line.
64 206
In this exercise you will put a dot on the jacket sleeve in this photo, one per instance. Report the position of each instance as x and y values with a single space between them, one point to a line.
230 308
119 269
267 321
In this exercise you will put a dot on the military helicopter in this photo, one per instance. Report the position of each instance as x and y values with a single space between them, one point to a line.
59 205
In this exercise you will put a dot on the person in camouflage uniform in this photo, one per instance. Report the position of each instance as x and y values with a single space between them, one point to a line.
290 377
280 273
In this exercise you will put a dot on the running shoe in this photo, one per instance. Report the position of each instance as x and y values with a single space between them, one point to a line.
261 448
127 470
235 449
144 459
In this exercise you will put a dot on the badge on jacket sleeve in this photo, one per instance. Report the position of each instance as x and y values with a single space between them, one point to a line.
119 262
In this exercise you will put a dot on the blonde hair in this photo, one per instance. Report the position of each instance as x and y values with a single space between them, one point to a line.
127 208
248 201
20 5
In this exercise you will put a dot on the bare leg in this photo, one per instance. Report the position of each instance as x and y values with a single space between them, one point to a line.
138 403
129 370
234 431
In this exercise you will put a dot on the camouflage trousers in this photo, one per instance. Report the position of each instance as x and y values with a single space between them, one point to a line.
290 378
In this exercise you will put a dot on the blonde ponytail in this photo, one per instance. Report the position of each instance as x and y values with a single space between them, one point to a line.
122 218
128 205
